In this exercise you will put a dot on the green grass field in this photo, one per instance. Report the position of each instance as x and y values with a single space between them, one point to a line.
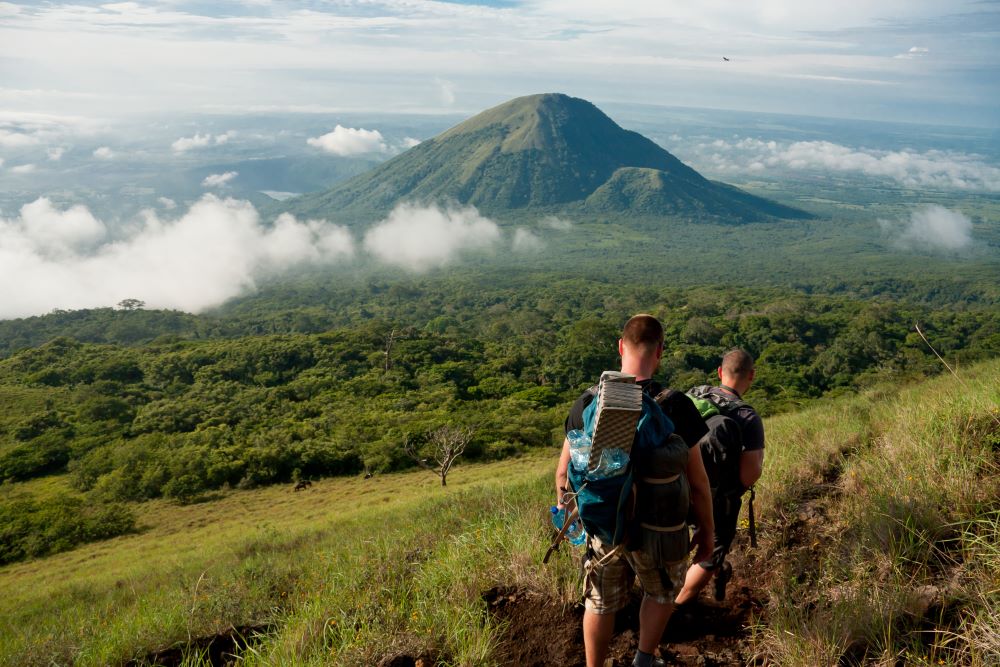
894 495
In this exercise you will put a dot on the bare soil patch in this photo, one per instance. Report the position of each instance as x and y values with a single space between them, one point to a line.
541 631
221 650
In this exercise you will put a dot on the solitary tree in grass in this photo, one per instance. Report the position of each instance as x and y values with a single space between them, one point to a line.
446 444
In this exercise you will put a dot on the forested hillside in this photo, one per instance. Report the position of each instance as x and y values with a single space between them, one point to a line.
203 405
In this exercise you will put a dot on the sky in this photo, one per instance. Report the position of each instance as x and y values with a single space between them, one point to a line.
930 61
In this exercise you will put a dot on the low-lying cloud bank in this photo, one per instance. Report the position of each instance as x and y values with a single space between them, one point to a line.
421 237
218 180
185 144
929 169
51 258
933 228
67 258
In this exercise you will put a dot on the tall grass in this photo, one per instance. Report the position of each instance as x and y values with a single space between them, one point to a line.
903 564
346 573
907 571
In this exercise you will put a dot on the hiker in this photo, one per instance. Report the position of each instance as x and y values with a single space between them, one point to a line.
610 572
738 428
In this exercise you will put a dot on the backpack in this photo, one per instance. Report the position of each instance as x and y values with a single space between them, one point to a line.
722 446
607 506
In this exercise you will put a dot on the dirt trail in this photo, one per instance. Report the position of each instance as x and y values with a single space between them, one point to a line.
542 632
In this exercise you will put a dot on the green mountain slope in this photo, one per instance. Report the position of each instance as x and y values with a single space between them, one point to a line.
538 152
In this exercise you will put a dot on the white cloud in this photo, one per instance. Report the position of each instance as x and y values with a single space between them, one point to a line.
526 241
187 143
410 142
914 52
1 161
557 223
103 153
23 169
929 169
167 203
350 141
10 139
419 238
49 232
215 251
218 180
122 7
55 154
933 228
200 141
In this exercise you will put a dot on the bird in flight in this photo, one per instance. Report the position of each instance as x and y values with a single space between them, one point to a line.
725 58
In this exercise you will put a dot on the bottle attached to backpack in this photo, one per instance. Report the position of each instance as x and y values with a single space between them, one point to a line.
575 533
626 419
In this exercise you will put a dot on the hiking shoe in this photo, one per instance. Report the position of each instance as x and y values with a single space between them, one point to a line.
722 578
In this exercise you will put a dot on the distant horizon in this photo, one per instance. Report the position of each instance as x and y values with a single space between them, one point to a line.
461 112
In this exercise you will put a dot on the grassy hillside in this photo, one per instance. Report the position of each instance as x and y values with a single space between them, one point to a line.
878 518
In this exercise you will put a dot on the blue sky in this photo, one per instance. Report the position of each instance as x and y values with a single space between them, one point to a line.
907 60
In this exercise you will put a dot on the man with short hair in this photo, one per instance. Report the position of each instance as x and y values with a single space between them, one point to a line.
736 374
609 576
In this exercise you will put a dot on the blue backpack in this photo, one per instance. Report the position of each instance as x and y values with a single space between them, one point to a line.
605 504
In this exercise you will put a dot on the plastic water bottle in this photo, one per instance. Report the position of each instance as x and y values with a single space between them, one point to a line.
579 449
575 533
613 462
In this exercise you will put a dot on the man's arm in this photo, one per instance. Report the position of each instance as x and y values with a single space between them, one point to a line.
752 458
701 502
751 466
562 473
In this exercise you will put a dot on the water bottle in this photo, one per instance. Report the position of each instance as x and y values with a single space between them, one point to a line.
575 533
579 449
613 462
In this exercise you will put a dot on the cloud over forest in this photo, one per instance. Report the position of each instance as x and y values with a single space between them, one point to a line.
185 144
419 238
933 228
219 249
218 180
928 169
345 141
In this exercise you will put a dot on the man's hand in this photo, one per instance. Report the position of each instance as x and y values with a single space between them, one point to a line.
704 542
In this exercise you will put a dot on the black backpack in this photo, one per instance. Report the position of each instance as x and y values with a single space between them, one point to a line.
722 446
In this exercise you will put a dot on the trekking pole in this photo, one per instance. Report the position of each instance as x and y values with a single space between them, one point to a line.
752 523
559 536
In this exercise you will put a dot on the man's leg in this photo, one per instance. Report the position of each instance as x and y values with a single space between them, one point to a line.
697 578
653 617
660 584
607 579
597 632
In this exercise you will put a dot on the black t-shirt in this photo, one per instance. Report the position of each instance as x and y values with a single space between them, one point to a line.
688 423
750 423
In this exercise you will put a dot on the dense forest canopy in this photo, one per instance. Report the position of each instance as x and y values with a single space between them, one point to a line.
206 402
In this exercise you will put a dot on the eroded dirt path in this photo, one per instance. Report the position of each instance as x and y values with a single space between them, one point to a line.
542 631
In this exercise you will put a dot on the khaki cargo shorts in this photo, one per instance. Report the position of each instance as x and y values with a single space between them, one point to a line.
608 578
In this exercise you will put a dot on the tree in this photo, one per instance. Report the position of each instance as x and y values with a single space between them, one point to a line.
131 304
446 443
